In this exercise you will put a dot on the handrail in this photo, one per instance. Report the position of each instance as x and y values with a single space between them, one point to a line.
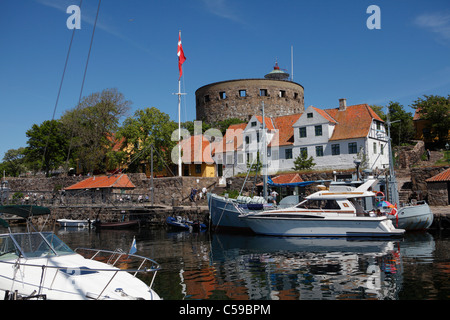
155 267
97 251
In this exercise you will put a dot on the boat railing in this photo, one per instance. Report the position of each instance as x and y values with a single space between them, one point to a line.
122 260
118 259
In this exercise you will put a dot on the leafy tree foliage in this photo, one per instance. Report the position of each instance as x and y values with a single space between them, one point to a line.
145 128
436 110
47 146
302 162
13 162
91 123
402 130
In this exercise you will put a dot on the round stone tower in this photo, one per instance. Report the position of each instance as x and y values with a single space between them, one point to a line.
243 98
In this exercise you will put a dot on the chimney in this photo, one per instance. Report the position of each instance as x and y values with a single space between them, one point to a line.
342 104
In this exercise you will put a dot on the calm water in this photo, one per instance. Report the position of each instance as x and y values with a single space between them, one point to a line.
225 266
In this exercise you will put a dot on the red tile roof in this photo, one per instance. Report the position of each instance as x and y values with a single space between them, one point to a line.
117 144
441 177
196 149
232 140
268 122
287 178
352 123
324 114
119 181
285 132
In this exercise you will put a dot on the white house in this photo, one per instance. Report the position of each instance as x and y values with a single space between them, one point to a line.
335 138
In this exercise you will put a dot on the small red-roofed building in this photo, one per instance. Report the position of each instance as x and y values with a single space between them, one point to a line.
102 187
438 188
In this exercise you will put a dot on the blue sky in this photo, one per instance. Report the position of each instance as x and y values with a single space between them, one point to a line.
134 50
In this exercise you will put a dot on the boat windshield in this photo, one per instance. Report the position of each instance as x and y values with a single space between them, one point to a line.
319 204
31 245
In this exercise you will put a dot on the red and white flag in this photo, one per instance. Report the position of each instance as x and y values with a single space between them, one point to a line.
181 57
394 212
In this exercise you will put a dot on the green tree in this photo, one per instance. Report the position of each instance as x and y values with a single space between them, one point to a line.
436 110
47 146
402 131
302 162
13 162
91 123
145 128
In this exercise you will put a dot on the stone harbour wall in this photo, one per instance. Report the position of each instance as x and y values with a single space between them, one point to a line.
171 191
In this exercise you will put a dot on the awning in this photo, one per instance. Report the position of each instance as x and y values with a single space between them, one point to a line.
293 184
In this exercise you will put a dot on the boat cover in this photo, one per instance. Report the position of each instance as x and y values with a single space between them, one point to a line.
293 184
24 211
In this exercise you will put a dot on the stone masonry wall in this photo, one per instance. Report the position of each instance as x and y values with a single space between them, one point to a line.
408 157
429 191
167 191
221 100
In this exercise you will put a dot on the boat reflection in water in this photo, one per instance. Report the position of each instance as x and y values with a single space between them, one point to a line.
310 268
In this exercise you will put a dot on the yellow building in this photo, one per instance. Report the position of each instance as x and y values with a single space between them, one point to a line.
423 129
196 156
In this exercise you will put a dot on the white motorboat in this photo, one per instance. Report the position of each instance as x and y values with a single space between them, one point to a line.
325 213
38 265
74 223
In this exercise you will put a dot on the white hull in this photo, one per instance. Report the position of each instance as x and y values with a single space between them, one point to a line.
323 227
62 281
39 263
68 223
69 283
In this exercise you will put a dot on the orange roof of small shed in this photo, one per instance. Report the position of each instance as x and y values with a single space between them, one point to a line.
440 177
121 181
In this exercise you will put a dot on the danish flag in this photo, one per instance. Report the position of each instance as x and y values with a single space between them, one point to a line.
181 57
394 212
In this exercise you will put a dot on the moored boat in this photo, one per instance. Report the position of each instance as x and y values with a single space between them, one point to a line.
73 223
39 265
98 224
413 217
324 213
224 212
178 223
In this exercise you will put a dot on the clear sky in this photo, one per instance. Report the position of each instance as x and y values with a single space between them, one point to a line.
335 54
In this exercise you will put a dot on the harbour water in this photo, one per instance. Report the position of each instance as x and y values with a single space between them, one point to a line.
204 266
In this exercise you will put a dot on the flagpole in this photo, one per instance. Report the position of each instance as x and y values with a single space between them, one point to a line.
181 59
179 128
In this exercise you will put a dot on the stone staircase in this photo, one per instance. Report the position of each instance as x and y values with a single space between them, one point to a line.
404 184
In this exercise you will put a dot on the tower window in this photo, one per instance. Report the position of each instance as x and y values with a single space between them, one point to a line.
242 93
263 92
222 95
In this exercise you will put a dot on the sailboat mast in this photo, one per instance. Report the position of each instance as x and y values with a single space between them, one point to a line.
264 153
391 182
